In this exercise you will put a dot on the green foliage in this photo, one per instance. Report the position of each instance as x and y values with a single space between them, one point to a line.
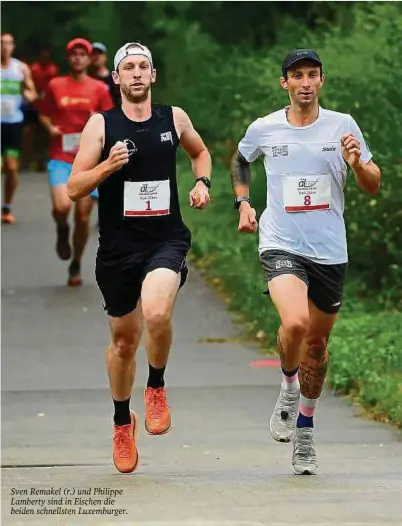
366 359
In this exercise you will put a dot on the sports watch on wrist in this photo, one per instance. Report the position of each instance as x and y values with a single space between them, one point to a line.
205 180
239 199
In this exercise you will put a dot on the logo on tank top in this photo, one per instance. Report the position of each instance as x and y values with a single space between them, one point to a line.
280 151
166 137
131 147
329 149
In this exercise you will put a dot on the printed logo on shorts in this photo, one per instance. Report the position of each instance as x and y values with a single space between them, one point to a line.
329 149
166 137
282 263
280 151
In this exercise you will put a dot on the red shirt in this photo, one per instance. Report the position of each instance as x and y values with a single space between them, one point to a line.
42 75
69 104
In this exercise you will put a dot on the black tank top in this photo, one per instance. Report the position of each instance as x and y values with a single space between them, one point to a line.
135 210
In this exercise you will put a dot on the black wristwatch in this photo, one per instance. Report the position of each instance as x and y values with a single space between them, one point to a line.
205 180
239 199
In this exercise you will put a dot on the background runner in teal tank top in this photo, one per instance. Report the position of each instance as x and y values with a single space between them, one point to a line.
12 79
16 85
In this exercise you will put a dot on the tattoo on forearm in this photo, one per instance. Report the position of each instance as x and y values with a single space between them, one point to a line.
240 170
313 370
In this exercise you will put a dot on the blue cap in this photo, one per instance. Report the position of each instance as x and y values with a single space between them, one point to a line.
98 46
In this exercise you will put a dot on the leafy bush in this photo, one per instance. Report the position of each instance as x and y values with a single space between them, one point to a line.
366 359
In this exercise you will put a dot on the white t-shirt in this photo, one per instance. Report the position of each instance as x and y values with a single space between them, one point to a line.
306 175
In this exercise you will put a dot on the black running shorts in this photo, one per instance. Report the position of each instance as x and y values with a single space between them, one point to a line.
120 282
324 282
11 138
31 114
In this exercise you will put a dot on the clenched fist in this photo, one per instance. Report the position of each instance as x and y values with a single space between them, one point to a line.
351 151
247 221
199 196
118 156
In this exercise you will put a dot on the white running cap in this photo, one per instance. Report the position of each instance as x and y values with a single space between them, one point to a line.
132 48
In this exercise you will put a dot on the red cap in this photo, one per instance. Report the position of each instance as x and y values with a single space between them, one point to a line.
79 42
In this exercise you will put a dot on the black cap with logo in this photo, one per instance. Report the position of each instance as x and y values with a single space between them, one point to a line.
300 54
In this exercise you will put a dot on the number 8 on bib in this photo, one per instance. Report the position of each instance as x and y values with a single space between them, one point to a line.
307 193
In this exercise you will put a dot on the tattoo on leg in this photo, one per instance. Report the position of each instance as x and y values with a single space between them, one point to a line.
281 351
313 370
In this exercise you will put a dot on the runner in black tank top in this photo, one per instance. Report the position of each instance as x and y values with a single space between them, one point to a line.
129 154
152 147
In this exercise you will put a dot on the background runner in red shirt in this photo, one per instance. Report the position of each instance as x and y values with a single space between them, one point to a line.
35 137
68 103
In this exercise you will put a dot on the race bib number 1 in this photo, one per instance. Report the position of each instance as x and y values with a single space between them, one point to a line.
147 198
71 142
307 193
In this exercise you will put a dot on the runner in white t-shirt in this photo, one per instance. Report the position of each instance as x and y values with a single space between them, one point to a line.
302 239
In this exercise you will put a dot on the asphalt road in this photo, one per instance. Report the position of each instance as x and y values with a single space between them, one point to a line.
217 467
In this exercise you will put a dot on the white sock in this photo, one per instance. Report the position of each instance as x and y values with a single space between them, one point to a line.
291 383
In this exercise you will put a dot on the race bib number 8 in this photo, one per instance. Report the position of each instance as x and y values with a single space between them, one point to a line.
147 198
307 193
71 142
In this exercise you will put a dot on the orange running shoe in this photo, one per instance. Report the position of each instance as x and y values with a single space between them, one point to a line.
8 218
125 453
157 413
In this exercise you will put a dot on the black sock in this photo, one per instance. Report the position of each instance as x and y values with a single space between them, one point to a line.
155 377
122 415
74 268
6 209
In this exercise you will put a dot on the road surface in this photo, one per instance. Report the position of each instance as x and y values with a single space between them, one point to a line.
217 467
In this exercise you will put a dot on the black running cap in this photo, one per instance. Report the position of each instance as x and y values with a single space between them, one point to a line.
300 54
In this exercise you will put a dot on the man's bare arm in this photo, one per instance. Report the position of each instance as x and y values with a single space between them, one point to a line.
192 143
47 124
28 88
87 173
368 177
367 174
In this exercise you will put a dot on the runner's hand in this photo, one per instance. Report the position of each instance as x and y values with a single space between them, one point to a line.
55 131
118 156
351 149
199 196
247 221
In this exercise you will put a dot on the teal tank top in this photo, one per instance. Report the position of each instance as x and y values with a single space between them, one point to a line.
11 92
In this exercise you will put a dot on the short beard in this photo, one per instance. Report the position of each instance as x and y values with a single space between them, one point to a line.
305 105
135 98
